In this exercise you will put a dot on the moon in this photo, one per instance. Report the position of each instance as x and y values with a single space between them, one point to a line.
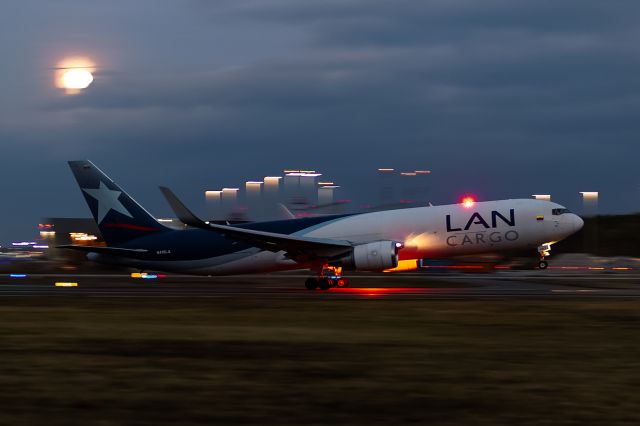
74 74
76 78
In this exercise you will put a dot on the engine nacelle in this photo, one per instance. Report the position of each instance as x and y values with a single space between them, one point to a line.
376 256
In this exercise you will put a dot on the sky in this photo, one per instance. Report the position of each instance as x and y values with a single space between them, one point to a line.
502 99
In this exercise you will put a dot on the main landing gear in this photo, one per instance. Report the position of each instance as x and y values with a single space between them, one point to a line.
330 276
544 251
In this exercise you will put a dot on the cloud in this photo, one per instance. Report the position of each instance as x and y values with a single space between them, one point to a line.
410 22
503 98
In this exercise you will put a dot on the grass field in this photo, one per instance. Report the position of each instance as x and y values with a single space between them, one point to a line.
195 362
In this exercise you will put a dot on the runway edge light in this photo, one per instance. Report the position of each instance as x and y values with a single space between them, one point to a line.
66 284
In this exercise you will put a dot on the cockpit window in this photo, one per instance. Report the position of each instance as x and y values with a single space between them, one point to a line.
558 212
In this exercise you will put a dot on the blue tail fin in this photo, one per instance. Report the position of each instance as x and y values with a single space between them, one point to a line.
118 216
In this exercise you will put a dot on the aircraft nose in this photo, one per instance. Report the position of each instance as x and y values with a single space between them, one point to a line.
577 222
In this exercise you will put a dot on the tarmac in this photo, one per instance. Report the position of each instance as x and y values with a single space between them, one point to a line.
400 286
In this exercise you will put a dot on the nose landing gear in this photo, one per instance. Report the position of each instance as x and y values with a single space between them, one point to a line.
330 276
544 251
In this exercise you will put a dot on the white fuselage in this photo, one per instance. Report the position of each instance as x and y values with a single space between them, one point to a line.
426 232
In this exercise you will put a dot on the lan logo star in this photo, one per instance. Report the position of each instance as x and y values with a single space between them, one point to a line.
107 200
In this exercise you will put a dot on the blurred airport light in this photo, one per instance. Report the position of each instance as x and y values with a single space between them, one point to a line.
46 230
213 203
590 209
230 195
408 187
253 196
308 184
81 237
543 197
386 178
291 184
272 187
300 186
422 185
172 223
326 194
229 201
589 203
271 196
253 186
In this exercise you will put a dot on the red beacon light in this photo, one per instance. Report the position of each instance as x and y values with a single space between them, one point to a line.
468 202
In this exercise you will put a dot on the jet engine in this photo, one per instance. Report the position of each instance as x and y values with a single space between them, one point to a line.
375 256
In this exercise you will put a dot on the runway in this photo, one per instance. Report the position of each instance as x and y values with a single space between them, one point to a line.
512 284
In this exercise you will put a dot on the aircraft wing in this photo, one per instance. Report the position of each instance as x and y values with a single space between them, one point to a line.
295 246
113 251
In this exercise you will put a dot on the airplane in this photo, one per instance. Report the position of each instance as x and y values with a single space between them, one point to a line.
373 241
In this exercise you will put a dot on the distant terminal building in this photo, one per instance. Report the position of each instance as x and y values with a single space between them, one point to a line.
229 201
57 231
589 203
213 201
300 186
253 195
70 230
402 186
272 188
326 193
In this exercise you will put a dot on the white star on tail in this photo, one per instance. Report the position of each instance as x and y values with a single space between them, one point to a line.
107 201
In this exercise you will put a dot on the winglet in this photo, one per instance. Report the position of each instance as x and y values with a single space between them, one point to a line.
271 241
185 215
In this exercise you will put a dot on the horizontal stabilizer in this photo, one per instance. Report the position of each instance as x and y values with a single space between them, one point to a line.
112 251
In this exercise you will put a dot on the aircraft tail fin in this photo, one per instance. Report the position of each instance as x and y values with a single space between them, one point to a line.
119 217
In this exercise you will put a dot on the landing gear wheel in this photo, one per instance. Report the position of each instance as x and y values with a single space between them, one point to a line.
311 283
543 264
323 283
342 282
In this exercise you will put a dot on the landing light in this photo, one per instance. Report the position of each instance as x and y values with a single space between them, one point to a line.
468 202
